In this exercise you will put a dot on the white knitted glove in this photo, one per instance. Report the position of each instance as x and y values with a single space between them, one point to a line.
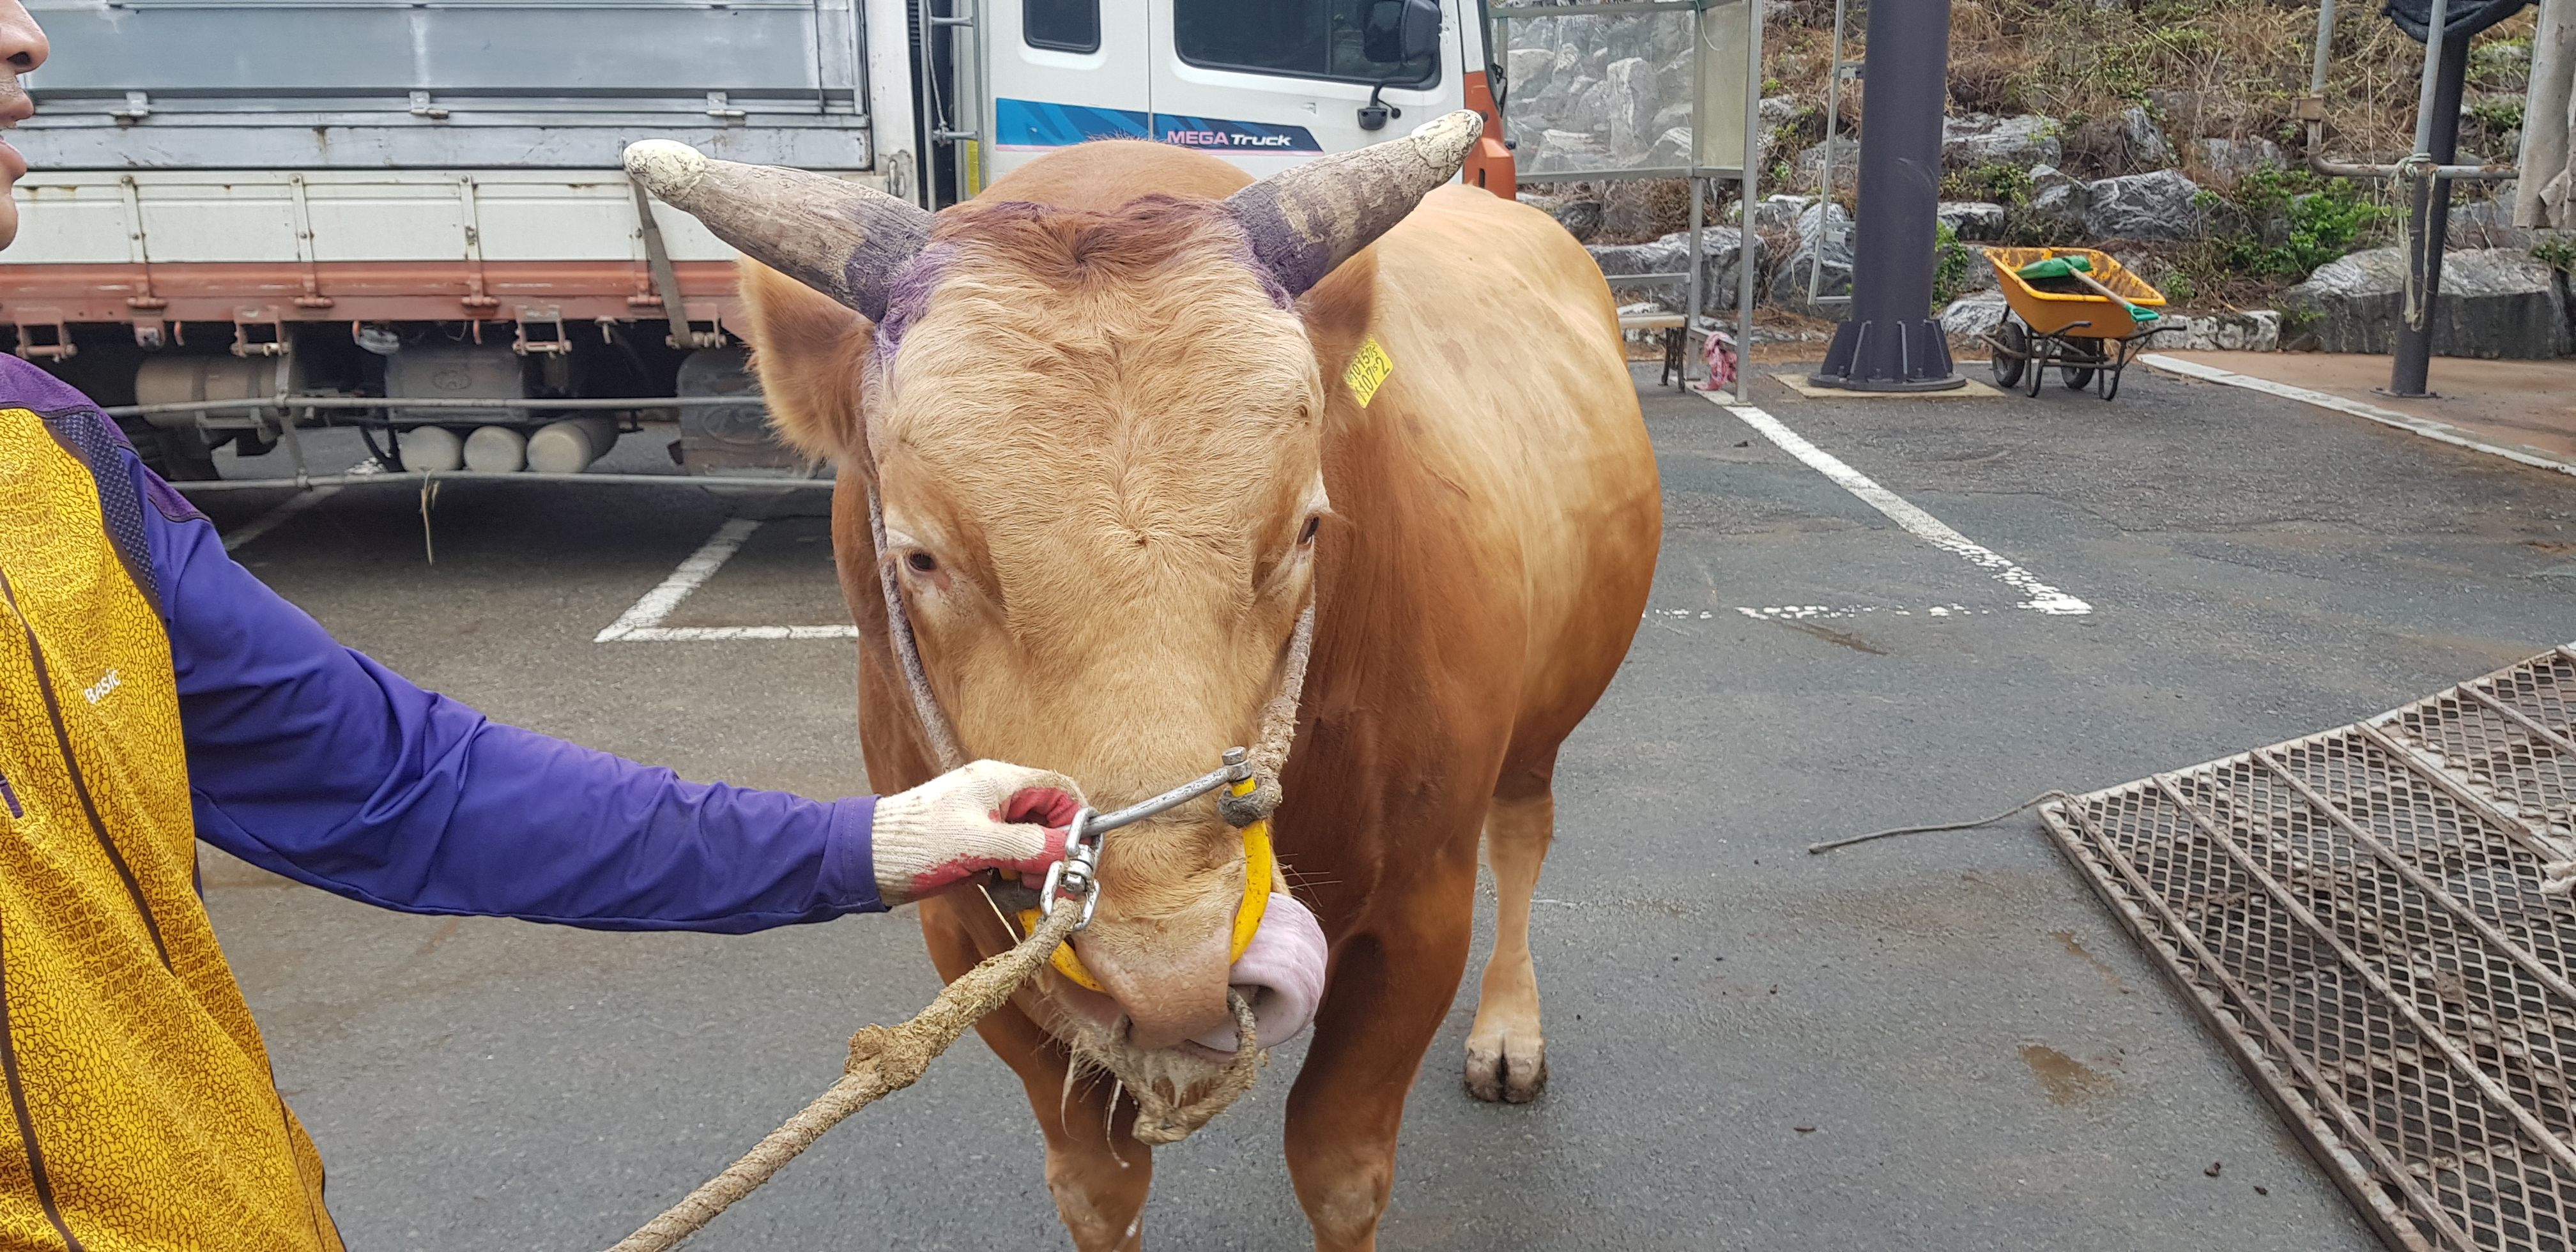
986 815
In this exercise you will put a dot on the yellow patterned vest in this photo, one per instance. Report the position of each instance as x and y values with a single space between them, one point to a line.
141 1113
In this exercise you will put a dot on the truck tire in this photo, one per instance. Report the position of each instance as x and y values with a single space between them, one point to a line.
179 456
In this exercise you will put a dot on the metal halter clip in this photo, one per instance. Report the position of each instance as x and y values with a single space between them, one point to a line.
1077 876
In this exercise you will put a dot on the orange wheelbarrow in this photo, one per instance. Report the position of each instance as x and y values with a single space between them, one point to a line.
2090 338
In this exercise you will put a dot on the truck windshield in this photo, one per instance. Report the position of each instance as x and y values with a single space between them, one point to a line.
1305 38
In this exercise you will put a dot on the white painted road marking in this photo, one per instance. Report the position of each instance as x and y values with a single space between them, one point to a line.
2425 426
2043 598
276 517
672 634
643 622
301 501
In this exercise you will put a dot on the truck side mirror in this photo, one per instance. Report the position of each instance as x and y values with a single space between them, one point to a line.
1399 31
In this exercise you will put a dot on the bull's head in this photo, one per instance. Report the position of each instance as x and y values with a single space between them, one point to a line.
1096 436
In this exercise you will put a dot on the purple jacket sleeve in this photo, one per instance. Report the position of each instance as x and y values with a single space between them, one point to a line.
313 761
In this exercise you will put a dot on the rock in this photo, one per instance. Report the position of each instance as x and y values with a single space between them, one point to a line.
2058 200
1814 218
2147 145
1984 139
1773 212
1981 272
2235 158
1672 148
1529 69
1971 316
1630 105
2494 302
1720 253
2488 224
1581 218
1824 249
2257 331
1973 219
1776 112
2159 205
1560 151
1561 104
1721 256
1544 204
1846 158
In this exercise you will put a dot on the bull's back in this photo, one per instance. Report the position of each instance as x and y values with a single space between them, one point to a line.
1519 387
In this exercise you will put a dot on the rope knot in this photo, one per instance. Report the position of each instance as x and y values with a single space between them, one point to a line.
1243 810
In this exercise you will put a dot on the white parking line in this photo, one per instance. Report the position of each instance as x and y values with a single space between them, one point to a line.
643 622
276 517
2043 598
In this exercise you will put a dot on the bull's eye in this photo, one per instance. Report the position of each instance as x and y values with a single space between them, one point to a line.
1307 535
922 562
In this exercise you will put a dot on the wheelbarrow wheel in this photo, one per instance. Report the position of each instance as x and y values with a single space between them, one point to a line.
2010 350
2077 377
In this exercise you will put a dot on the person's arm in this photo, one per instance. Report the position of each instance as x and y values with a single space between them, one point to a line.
310 760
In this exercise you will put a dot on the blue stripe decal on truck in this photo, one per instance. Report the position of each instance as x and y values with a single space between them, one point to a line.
1026 125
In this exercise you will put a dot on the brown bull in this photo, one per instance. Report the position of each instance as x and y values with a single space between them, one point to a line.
1107 413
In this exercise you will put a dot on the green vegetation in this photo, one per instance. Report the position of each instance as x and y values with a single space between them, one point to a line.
2558 252
2325 219
2007 185
2497 116
1950 262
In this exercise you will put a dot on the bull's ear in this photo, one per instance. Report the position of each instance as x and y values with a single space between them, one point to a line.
808 352
834 236
1307 219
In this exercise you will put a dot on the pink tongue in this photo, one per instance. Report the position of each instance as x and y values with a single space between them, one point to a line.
1282 973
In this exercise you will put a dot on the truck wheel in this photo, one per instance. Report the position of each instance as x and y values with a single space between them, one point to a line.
179 456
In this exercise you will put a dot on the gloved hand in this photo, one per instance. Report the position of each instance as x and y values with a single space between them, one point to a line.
986 815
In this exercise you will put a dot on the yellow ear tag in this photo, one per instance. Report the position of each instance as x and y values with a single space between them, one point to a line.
1259 863
1369 368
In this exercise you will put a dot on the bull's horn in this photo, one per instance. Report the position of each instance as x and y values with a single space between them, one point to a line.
834 236
1307 219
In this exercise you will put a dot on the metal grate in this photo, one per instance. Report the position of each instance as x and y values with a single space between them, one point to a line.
2360 917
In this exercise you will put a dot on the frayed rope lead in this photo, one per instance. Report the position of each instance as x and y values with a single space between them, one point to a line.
882 1060
1819 849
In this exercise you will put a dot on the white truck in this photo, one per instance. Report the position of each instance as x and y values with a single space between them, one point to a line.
411 216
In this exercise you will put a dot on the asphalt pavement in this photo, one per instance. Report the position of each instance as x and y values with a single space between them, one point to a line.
1939 1041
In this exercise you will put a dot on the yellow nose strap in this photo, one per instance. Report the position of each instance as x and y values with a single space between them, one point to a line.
1259 864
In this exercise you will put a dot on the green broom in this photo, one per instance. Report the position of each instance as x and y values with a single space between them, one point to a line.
2080 268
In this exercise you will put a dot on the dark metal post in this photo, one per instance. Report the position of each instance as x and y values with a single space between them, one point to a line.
1892 342
2429 224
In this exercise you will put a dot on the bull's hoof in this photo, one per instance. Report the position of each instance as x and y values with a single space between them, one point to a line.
1508 1074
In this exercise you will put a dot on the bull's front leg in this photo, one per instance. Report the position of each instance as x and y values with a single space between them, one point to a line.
1096 1170
1392 978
